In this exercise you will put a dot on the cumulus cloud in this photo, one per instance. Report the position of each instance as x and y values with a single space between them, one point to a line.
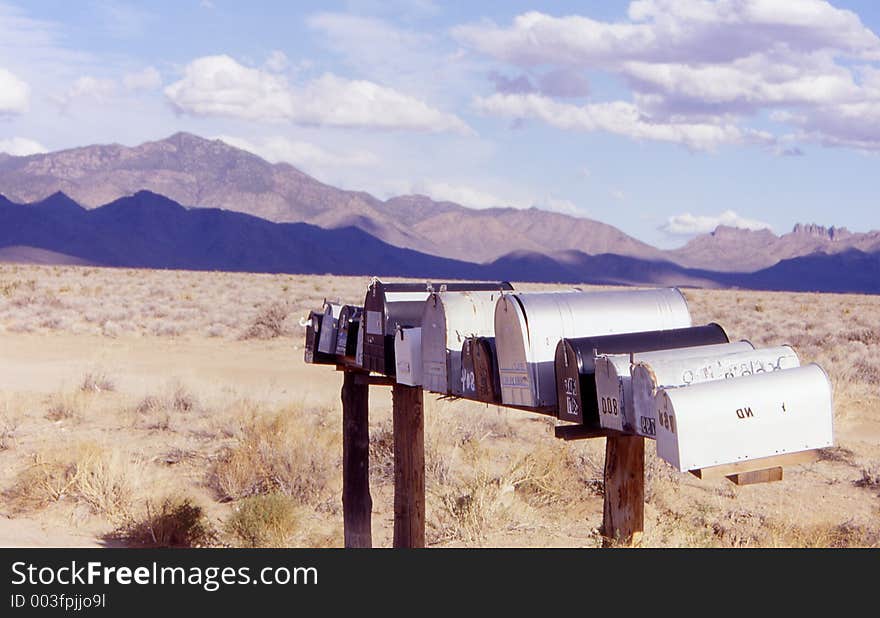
699 63
96 88
688 224
220 86
305 155
147 79
277 61
479 198
14 94
21 147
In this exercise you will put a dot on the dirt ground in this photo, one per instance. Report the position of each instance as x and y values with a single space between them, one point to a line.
123 390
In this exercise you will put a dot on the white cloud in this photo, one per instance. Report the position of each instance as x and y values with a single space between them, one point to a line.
617 195
309 157
122 20
14 94
220 86
147 79
480 198
207 4
21 146
699 64
688 224
619 117
277 61
99 89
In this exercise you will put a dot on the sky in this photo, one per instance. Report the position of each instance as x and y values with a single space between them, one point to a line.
664 118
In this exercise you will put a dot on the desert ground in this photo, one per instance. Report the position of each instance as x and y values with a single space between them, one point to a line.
151 408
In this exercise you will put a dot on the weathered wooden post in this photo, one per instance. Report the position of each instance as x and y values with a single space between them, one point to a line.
357 505
623 520
409 466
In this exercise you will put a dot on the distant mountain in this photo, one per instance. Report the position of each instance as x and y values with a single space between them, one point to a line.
210 173
147 230
737 250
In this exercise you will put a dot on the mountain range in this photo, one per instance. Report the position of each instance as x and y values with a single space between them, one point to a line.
189 202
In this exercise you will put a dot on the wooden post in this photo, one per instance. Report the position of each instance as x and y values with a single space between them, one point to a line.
357 505
409 466
624 517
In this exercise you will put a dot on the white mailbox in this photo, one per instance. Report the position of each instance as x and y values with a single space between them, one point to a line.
408 356
614 392
740 419
450 318
528 327
652 373
329 328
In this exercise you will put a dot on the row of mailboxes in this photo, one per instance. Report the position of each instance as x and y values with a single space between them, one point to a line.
529 326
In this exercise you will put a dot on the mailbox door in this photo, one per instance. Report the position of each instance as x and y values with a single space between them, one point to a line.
653 371
434 352
329 328
467 378
739 419
614 392
486 377
408 355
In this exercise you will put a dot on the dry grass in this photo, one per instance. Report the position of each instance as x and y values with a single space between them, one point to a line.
256 449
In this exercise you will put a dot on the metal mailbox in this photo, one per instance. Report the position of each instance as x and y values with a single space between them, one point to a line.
528 327
614 392
349 329
479 371
574 363
388 306
329 328
449 318
408 356
313 336
752 417
651 373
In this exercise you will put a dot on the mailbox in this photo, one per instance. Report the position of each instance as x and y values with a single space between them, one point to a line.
614 392
390 305
650 373
349 329
329 328
752 417
528 327
449 318
575 380
408 356
313 336
479 371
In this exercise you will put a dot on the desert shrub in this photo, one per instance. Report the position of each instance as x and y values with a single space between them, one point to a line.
8 427
97 382
158 411
870 478
382 454
558 474
263 521
268 323
104 480
176 522
63 407
288 452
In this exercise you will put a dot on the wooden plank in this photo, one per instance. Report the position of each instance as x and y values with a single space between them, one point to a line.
357 504
581 432
409 466
623 519
752 465
768 475
368 380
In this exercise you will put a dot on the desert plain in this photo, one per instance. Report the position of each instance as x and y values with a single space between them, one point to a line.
151 408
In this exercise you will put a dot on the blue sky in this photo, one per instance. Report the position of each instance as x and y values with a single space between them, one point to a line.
661 117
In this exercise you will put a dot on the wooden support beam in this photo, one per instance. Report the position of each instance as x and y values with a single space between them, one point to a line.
357 505
754 465
581 432
768 475
624 515
368 380
409 466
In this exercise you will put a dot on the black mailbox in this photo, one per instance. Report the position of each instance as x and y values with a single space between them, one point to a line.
313 337
349 329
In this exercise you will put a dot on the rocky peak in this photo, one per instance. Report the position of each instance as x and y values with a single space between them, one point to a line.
820 231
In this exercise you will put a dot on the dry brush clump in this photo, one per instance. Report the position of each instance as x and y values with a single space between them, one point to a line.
174 522
269 520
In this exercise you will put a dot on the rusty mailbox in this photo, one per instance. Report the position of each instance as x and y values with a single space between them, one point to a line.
390 305
575 367
745 418
408 356
529 326
479 371
313 337
348 332
449 319
329 328
614 391
651 373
